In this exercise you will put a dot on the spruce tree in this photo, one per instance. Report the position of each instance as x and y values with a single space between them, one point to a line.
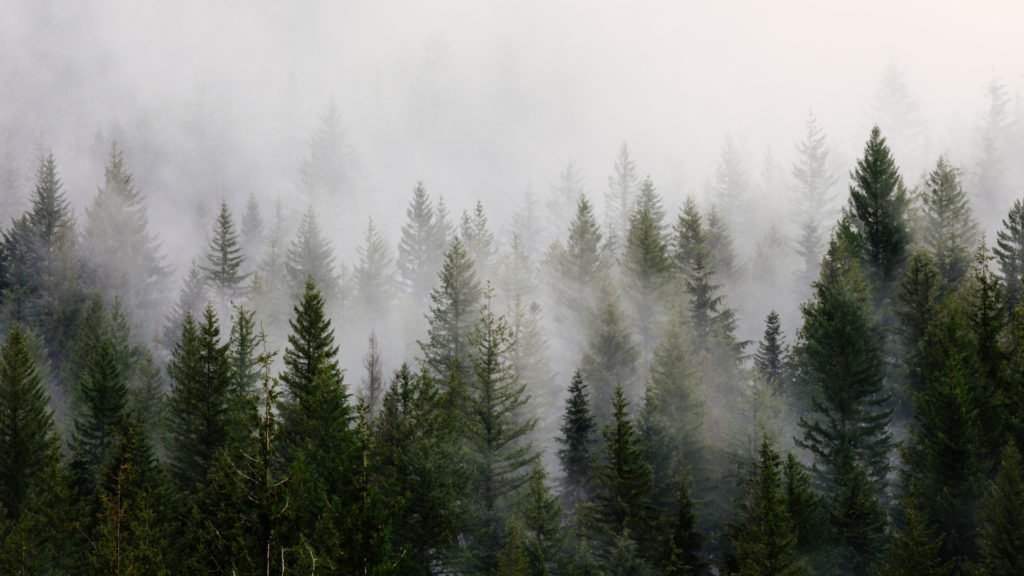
621 194
499 456
950 231
478 239
199 405
327 172
453 313
103 397
576 445
1002 518
718 238
564 196
918 302
730 188
1009 250
878 212
646 261
311 256
814 183
576 268
765 544
914 550
252 230
772 356
541 517
192 299
225 257
803 504
682 544
374 276
420 250
28 436
610 359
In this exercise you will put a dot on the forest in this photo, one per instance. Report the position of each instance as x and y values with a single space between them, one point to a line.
313 289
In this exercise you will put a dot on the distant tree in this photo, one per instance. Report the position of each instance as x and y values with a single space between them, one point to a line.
576 445
564 197
718 239
622 189
374 275
478 239
950 232
421 248
878 213
813 188
995 136
253 230
310 256
646 260
577 267
11 195
528 224
270 293
610 359
731 186
225 257
453 313
1009 250
772 356
765 543
682 546
327 173
192 299
898 111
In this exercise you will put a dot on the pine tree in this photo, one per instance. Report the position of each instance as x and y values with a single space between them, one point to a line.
310 256
123 255
270 295
103 396
914 550
1009 250
527 225
374 276
576 444
192 299
199 402
421 248
995 145
577 268
622 499
453 313
1002 518
478 240
682 546
327 173
814 183
225 257
610 359
252 230
918 303
541 519
373 384
622 189
772 356
719 244
950 232
646 260
500 458
878 212
766 541
28 436
898 111
528 356
987 318
803 504
730 187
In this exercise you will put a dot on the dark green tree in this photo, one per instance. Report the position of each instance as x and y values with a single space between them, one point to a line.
225 257
681 554
541 518
374 276
772 357
310 256
803 505
103 399
813 188
611 357
1009 251
576 445
949 232
914 550
1002 518
421 248
646 261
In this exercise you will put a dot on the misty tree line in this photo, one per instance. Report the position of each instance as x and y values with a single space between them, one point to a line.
225 438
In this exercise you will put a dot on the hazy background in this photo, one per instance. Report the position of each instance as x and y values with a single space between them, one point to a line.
480 100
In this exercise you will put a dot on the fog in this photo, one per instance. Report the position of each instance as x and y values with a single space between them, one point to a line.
484 100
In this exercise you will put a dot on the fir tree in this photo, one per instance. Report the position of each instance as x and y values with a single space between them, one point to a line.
564 196
914 550
478 239
421 248
311 256
950 231
918 303
577 267
541 519
803 504
730 187
199 402
622 189
766 541
681 555
1002 518
453 313
646 260
814 183
252 230
192 299
28 437
103 396
225 257
327 173
878 212
772 356
575 450
718 239
1009 250
610 358
995 145
373 275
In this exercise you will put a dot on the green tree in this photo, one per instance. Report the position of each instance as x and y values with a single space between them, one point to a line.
610 358
1002 518
914 550
772 357
950 231
576 445
803 504
421 248
646 260
813 188
541 517
374 276
225 257
765 543
682 543
327 172
478 239
621 194
103 397
576 268
310 256
1009 251
253 230
877 210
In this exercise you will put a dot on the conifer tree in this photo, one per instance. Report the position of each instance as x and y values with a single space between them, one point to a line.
516 273
200 400
987 317
914 550
683 544
803 504
730 188
374 276
564 196
528 356
610 359
225 257
918 302
270 294
576 445
995 137
526 224
478 240
646 260
718 238
688 239
772 354
311 256
541 519
878 212
622 503
118 247
252 230
1009 250
28 437
1002 518
192 299
328 171
766 541
421 249
814 183
103 396
453 313
577 268
500 458
950 231
621 194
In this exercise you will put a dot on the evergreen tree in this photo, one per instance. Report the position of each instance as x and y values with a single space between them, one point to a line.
1002 518
772 356
453 313
270 295
718 239
564 196
646 260
914 550
252 230
421 248
327 173
575 450
225 257
310 256
28 437
499 456
681 555
577 268
950 232
878 212
898 111
541 516
918 304
621 194
1009 250
987 318
814 183
622 503
478 240
200 400
528 357
103 396
527 225
766 541
730 187
995 137
610 358
118 247
803 504
192 299
373 275
688 238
